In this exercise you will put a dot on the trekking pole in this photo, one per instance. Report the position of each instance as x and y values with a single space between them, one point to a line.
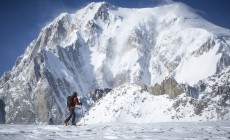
63 118
82 114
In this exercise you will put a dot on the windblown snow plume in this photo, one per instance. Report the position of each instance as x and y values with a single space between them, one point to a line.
104 46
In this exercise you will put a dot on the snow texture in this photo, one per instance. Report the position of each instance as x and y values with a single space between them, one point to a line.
108 131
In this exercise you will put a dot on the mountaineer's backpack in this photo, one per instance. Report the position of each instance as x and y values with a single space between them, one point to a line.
70 101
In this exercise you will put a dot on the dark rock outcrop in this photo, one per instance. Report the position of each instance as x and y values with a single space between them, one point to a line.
2 112
168 86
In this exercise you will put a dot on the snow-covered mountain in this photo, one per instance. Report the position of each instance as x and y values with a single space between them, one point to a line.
104 46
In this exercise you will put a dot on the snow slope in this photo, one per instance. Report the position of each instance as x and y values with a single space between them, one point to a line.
130 103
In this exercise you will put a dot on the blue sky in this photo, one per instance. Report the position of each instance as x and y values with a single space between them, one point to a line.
22 20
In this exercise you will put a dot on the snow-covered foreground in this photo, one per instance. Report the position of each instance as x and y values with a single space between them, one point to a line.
172 130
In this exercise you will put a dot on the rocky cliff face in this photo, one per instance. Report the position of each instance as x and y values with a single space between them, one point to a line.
168 86
106 46
211 100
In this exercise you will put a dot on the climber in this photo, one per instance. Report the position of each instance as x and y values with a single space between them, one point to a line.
72 101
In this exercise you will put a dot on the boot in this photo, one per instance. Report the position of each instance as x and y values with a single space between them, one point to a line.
65 123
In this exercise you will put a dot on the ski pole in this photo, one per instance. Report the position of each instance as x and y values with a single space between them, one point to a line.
63 118
82 114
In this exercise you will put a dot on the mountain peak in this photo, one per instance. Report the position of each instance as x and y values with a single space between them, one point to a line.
104 46
100 4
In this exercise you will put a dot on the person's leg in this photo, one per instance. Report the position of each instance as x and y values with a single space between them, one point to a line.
73 118
70 115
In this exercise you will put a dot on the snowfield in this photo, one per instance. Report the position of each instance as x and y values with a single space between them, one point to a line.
179 130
